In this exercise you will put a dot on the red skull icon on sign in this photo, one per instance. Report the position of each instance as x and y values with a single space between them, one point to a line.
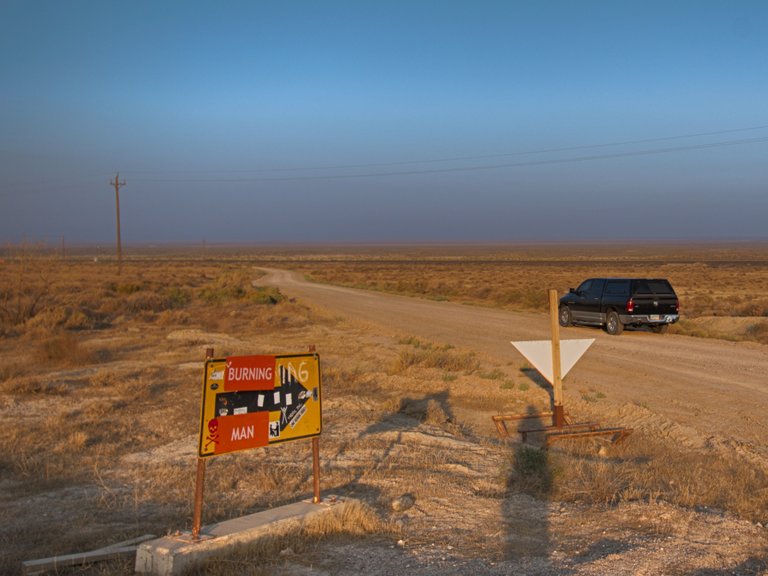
213 433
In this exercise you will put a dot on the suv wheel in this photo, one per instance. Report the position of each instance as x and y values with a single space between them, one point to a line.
564 316
660 328
613 325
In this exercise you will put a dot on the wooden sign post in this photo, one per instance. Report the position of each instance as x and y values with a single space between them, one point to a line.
197 513
558 416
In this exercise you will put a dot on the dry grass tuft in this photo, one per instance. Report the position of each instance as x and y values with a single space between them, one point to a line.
353 519
530 471
442 358
435 413
342 379
33 386
641 469
759 332
25 288
65 349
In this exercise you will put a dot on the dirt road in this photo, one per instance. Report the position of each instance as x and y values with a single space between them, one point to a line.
703 392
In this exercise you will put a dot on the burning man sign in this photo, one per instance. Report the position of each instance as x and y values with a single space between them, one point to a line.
253 401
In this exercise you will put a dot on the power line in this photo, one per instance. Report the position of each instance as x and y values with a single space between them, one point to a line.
577 159
465 158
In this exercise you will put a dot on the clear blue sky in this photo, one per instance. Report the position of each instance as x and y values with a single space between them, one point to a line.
358 121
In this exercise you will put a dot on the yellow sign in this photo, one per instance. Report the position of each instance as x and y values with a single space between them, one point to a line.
253 401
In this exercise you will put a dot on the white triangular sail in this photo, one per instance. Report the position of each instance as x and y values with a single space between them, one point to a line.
539 354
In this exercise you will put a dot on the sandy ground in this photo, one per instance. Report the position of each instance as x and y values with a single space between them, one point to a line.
707 394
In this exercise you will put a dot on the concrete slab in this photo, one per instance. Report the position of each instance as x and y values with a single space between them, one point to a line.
171 555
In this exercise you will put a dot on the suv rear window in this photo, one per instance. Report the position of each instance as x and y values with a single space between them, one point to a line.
653 287
660 287
617 287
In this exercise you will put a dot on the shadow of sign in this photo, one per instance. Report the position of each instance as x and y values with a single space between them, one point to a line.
537 379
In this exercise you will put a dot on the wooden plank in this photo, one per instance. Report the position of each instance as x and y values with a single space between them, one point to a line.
559 429
111 552
500 420
125 543
501 428
508 417
618 434
30 567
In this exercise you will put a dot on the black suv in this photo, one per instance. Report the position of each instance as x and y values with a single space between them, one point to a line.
618 302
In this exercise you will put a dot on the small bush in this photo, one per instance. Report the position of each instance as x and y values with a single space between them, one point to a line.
173 318
81 319
178 298
531 471
146 302
530 461
30 385
65 349
127 288
416 343
221 294
340 380
103 379
758 332
234 285
66 317
435 413
530 299
441 358
266 295
25 290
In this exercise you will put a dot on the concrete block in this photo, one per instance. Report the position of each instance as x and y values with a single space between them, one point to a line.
171 555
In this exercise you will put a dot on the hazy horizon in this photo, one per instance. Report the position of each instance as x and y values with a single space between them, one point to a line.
276 123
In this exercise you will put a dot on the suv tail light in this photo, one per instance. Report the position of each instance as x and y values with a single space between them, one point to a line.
630 306
677 306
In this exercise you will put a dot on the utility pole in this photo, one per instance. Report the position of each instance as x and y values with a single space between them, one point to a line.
117 184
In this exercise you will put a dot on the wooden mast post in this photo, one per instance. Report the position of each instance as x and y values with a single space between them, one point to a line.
558 416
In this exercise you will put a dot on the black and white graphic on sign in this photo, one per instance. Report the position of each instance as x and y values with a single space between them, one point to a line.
283 420
295 396
298 416
289 398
